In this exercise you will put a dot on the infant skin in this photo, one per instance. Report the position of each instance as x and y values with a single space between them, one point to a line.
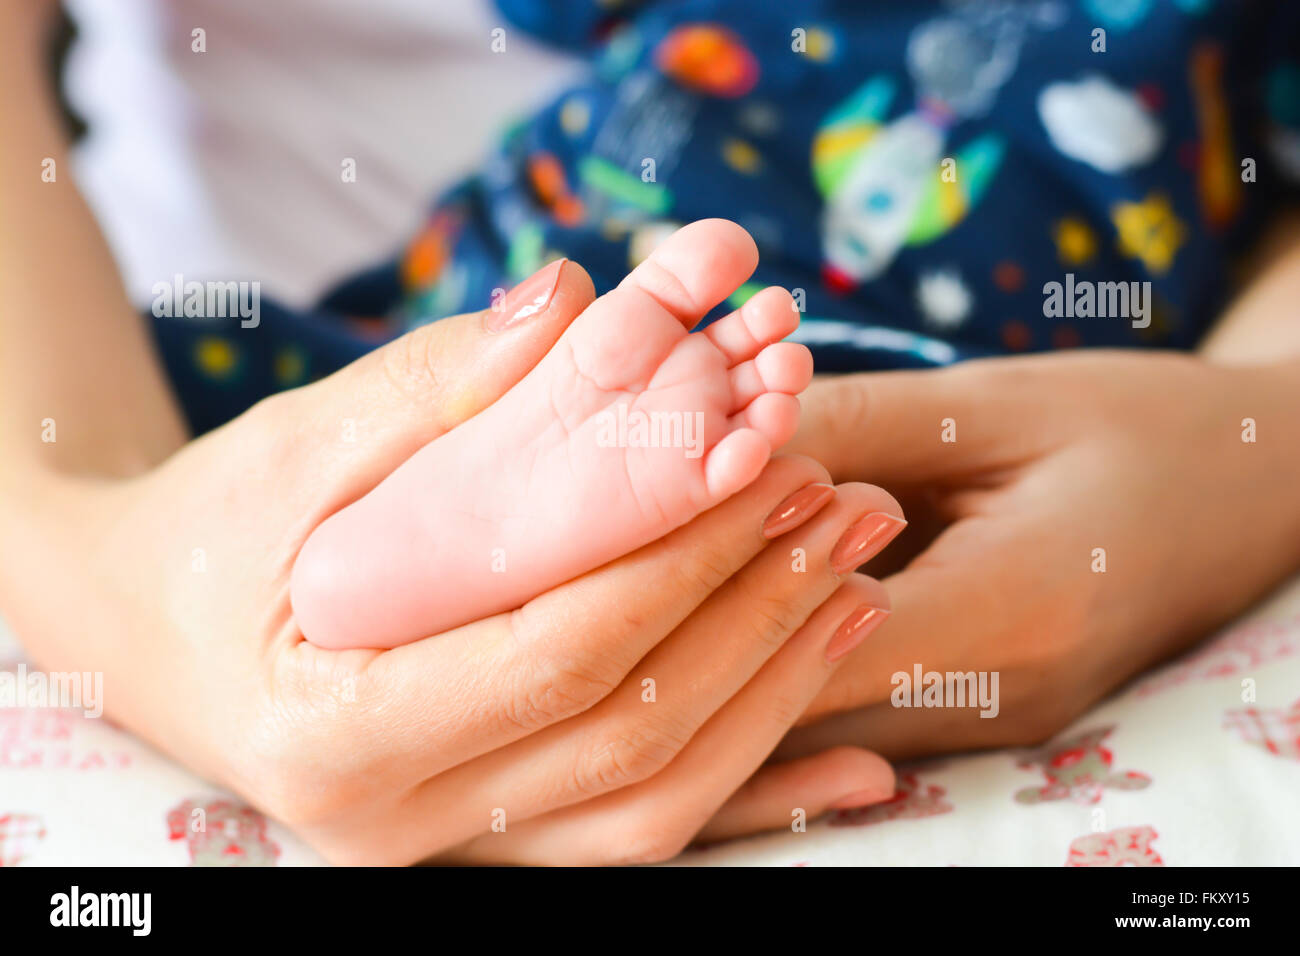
627 429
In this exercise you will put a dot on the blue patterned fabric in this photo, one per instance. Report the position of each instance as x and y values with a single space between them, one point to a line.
922 174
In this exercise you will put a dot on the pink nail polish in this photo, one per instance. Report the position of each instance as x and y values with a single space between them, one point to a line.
861 798
797 509
853 631
864 540
531 297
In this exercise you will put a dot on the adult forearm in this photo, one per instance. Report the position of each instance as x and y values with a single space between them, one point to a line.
80 385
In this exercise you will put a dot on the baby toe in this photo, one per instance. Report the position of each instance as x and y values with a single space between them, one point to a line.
695 268
785 367
769 316
735 461
773 415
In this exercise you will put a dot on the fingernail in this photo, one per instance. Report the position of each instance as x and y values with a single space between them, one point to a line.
861 798
853 631
864 540
531 297
797 509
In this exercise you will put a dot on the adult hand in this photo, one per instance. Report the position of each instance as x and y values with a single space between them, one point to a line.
1092 514
538 719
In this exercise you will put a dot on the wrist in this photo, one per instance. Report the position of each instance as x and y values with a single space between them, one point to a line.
53 529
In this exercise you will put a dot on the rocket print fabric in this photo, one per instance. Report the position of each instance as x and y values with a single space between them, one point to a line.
927 176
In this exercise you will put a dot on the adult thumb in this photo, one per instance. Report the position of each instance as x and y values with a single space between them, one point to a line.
903 428
378 411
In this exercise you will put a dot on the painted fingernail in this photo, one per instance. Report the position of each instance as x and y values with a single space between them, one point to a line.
864 540
861 798
797 509
531 297
854 630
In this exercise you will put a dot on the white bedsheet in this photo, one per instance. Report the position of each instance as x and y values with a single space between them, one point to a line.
1176 770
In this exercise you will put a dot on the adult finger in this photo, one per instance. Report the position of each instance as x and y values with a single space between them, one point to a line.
840 778
628 735
654 820
950 612
484 685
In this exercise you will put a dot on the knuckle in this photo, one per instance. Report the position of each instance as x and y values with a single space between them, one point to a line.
631 756
773 615
556 690
773 618
410 364
854 402
704 572
634 618
285 774
785 710
267 412
263 432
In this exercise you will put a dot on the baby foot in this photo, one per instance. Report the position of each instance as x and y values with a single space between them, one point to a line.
628 428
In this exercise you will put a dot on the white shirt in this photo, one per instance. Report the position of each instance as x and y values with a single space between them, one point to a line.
229 164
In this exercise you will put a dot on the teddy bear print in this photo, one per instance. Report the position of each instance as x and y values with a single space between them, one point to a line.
1127 846
222 832
1078 769
1274 729
19 834
911 800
